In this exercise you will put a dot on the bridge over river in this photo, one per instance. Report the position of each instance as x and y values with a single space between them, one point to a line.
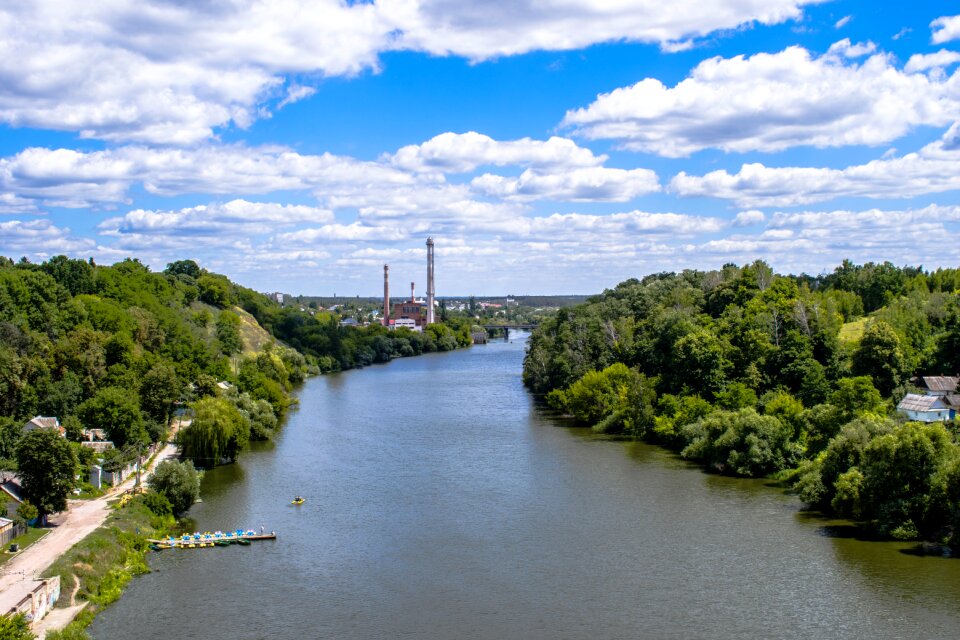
497 329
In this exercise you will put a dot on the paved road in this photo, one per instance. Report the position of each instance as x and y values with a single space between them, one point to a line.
81 519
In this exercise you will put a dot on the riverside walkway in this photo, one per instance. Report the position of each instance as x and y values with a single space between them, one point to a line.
81 518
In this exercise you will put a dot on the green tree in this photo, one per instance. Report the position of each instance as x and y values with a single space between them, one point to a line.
117 411
742 443
26 511
218 432
160 390
699 361
178 482
228 333
46 464
890 489
183 267
735 396
881 357
857 396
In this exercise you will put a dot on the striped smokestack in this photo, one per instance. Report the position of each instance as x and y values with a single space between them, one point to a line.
430 291
386 295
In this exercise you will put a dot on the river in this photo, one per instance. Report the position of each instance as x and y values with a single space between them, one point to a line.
441 504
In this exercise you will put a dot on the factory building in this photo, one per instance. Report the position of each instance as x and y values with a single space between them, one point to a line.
413 314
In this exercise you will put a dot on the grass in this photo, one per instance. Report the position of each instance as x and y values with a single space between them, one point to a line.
106 560
852 331
254 337
32 535
88 492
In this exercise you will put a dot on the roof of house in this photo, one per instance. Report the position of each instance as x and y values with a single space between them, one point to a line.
10 485
44 422
99 445
952 400
916 402
940 383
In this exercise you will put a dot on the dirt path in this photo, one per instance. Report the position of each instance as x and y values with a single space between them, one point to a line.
81 519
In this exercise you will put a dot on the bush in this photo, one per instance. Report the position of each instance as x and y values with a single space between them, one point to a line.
178 482
743 443
158 504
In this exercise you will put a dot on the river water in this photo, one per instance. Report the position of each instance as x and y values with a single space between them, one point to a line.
441 504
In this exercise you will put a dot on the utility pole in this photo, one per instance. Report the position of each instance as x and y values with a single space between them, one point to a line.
137 483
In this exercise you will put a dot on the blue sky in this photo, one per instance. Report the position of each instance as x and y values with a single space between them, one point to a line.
557 146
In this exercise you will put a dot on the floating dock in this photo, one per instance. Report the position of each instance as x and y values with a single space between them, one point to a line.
216 539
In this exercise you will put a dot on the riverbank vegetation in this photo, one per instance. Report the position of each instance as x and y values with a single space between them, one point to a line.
123 349
756 374
97 568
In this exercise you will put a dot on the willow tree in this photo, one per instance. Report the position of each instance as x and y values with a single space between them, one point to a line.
217 433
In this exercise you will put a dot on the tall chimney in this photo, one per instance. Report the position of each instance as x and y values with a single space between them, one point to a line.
430 291
386 295
413 298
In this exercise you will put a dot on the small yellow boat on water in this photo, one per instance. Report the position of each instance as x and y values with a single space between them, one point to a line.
298 500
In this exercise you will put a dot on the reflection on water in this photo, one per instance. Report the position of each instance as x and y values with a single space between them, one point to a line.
442 504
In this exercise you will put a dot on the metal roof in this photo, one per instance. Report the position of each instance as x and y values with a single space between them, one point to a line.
940 383
916 402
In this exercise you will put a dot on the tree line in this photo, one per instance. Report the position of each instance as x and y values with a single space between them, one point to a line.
752 373
123 349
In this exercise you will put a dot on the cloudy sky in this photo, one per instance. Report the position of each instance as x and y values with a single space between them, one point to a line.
549 146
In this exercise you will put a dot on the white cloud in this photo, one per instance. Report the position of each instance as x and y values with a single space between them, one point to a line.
945 29
813 241
842 22
938 60
560 170
771 102
508 27
577 185
39 238
237 217
848 49
174 72
296 93
748 218
934 169
64 177
464 152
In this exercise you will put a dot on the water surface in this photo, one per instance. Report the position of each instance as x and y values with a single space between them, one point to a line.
441 504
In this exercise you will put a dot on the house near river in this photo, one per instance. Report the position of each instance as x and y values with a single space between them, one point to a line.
939 401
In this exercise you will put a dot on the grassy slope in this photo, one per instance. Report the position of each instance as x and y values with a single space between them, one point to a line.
851 332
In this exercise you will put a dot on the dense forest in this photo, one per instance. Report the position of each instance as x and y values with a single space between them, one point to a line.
121 348
756 374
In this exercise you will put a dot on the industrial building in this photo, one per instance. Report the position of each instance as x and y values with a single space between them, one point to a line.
413 314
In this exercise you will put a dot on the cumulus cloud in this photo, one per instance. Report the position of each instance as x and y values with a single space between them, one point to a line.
464 152
938 60
750 217
174 72
934 169
812 241
218 219
69 178
945 29
40 238
577 185
771 102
